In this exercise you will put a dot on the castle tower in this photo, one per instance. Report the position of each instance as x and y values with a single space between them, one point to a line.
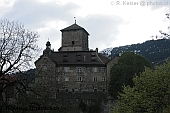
74 38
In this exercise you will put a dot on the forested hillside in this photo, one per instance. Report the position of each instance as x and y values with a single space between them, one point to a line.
156 51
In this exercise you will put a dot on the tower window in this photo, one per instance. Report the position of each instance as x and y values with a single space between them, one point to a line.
72 42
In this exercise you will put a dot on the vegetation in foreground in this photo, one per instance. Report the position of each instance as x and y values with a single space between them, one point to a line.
150 93
129 65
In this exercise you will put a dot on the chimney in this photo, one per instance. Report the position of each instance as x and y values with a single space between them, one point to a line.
96 50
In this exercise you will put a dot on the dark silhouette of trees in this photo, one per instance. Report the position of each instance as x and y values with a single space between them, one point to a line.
18 48
129 65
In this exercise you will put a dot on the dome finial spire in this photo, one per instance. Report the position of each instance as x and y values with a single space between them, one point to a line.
75 19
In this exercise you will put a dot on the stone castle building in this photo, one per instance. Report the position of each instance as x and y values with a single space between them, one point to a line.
74 71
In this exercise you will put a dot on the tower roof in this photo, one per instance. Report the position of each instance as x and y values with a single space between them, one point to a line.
73 27
48 43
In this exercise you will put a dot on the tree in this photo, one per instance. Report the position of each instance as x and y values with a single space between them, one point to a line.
129 65
17 50
150 93
166 35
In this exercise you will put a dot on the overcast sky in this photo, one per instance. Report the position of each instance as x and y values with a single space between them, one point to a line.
110 23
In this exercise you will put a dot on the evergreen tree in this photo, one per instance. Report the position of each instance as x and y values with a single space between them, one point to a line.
129 65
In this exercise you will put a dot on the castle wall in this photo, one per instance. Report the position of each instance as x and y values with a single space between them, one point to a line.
66 78
81 79
45 76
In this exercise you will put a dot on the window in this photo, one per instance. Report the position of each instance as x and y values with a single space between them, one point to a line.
66 69
104 90
93 55
79 69
72 42
58 70
66 78
58 78
103 78
64 59
72 90
44 67
79 90
89 100
44 77
80 79
55 96
58 90
103 69
93 59
95 69
95 89
94 78
66 90
78 60
45 59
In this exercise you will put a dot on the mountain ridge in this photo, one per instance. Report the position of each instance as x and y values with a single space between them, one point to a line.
156 51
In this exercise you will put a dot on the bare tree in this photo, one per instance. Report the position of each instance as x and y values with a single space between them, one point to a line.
18 48
166 35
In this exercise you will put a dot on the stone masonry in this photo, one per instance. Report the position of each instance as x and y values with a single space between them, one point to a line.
73 70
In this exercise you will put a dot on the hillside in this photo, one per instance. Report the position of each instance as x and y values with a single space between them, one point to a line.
156 51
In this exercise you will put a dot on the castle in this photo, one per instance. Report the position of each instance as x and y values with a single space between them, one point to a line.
74 71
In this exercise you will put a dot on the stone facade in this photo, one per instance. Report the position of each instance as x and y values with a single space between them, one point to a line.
74 38
74 72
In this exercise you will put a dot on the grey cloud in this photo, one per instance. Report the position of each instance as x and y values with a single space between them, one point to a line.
103 29
34 13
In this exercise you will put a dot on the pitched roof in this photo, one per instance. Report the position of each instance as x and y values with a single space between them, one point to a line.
74 27
104 58
78 58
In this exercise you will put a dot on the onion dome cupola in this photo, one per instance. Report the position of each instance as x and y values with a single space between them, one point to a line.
48 48
48 45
